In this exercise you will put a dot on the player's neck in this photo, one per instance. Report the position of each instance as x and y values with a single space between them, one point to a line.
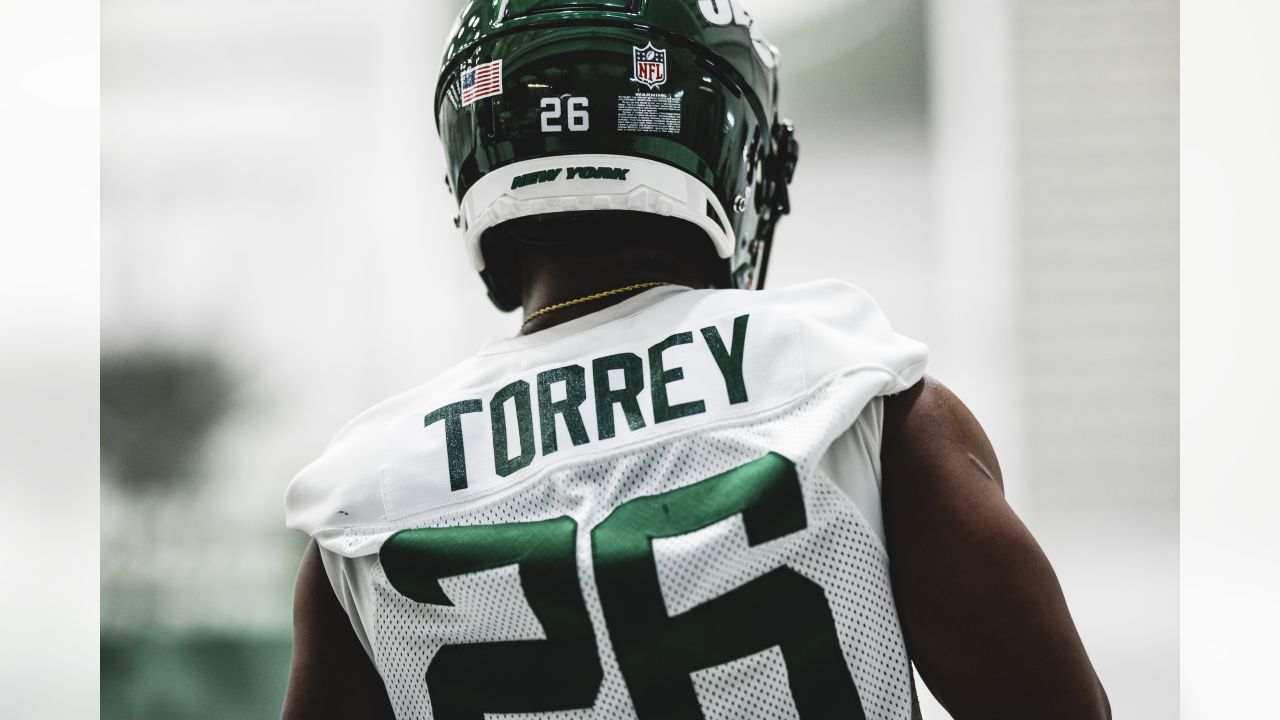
550 276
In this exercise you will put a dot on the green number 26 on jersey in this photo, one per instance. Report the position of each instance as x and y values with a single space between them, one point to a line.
656 652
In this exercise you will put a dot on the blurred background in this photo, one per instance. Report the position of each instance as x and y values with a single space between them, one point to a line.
278 253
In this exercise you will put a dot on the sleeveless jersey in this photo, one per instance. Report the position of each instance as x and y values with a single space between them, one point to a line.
667 509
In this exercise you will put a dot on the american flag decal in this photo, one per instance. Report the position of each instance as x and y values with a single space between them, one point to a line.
481 81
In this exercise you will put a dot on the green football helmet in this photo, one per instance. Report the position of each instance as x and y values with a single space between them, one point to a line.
653 106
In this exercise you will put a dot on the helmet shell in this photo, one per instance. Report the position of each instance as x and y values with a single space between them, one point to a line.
663 106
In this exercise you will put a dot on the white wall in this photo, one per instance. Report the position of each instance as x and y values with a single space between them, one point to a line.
1097 121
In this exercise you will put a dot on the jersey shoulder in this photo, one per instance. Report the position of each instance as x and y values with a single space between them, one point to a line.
845 330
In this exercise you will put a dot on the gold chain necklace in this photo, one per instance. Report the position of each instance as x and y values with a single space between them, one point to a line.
588 298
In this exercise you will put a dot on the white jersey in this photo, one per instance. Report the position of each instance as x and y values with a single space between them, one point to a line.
667 509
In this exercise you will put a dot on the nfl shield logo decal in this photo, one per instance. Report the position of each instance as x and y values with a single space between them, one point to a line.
650 66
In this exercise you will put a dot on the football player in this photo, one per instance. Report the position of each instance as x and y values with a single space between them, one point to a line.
674 494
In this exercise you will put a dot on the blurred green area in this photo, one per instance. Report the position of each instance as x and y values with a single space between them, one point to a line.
158 407
194 602
193 677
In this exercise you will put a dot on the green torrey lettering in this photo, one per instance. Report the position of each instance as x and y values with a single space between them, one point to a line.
660 378
575 385
605 395
632 368
503 463
730 363
452 417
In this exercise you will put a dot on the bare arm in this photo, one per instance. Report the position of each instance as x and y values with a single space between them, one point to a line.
331 675
981 608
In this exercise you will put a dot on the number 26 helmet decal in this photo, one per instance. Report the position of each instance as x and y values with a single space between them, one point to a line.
657 106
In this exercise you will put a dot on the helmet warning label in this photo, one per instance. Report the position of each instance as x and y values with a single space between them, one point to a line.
649 113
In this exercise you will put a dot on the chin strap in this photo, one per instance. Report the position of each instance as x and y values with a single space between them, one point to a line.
786 152
779 170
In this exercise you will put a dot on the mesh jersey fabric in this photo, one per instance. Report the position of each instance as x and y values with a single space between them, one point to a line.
786 400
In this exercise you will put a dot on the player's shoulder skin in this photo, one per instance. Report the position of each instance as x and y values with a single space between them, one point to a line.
983 614
331 676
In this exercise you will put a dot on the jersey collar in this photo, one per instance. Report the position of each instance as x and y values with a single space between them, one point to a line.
633 305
